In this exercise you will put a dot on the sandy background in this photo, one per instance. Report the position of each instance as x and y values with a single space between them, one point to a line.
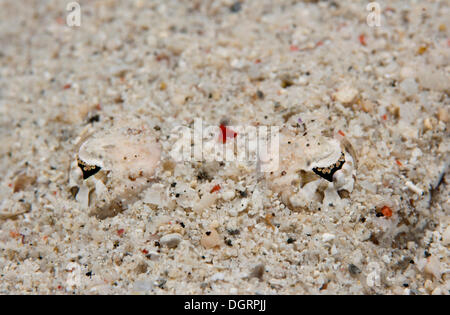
165 63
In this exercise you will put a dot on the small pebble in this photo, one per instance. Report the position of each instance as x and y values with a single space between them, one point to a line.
433 267
257 271
22 181
442 114
409 87
228 195
328 237
218 276
210 239
353 270
414 188
179 99
243 194
427 123
142 286
236 7
171 240
346 94
233 231
367 106
242 205
160 282
422 49
153 256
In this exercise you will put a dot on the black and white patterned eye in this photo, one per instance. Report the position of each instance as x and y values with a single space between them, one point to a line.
88 170
328 172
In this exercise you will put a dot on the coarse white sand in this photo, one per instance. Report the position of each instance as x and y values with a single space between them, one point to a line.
211 227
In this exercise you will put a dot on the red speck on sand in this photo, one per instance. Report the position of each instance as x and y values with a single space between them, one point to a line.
215 188
341 133
14 234
293 48
120 232
227 133
67 86
398 163
362 40
386 211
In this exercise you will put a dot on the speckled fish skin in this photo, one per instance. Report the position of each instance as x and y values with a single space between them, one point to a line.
114 166
300 157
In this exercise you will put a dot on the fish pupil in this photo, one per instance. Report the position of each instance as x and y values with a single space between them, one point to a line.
328 172
88 170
